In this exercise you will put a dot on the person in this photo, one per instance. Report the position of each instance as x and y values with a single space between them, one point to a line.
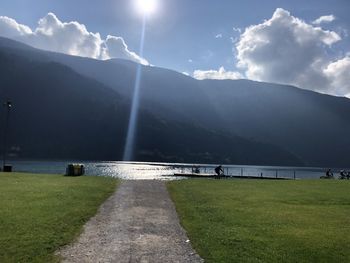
218 171
329 173
342 174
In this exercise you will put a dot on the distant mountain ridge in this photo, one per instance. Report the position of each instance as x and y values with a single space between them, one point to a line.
303 127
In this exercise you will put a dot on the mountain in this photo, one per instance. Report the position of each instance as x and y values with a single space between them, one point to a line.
60 113
310 126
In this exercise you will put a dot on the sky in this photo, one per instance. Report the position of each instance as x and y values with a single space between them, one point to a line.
302 43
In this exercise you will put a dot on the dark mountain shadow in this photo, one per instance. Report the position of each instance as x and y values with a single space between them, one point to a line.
61 114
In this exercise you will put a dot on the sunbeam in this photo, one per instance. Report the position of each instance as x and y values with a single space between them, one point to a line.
132 127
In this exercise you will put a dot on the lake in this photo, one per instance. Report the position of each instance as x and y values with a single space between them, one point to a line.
163 171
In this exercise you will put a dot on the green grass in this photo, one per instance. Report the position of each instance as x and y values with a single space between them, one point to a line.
266 221
40 213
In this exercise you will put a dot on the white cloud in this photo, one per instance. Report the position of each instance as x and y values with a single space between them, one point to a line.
10 28
218 36
286 49
115 47
237 30
324 19
186 73
338 72
216 74
70 38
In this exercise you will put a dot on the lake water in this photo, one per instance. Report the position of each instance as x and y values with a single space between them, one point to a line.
163 171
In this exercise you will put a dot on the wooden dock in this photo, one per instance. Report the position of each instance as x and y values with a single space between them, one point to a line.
193 175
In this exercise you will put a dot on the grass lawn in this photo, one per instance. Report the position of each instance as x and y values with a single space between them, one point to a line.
40 213
266 221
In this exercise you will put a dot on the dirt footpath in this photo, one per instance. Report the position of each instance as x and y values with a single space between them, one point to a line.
137 224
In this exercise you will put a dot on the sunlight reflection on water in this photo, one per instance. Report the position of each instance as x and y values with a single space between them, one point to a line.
122 170
133 171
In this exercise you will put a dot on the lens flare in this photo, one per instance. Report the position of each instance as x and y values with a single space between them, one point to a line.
146 7
133 119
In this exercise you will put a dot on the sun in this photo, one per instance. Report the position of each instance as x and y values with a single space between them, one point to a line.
146 7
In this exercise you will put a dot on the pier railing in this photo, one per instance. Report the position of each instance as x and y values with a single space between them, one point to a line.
243 172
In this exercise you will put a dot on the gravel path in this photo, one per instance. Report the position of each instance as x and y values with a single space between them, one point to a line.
137 224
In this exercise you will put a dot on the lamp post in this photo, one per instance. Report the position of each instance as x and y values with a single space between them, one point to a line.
8 105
